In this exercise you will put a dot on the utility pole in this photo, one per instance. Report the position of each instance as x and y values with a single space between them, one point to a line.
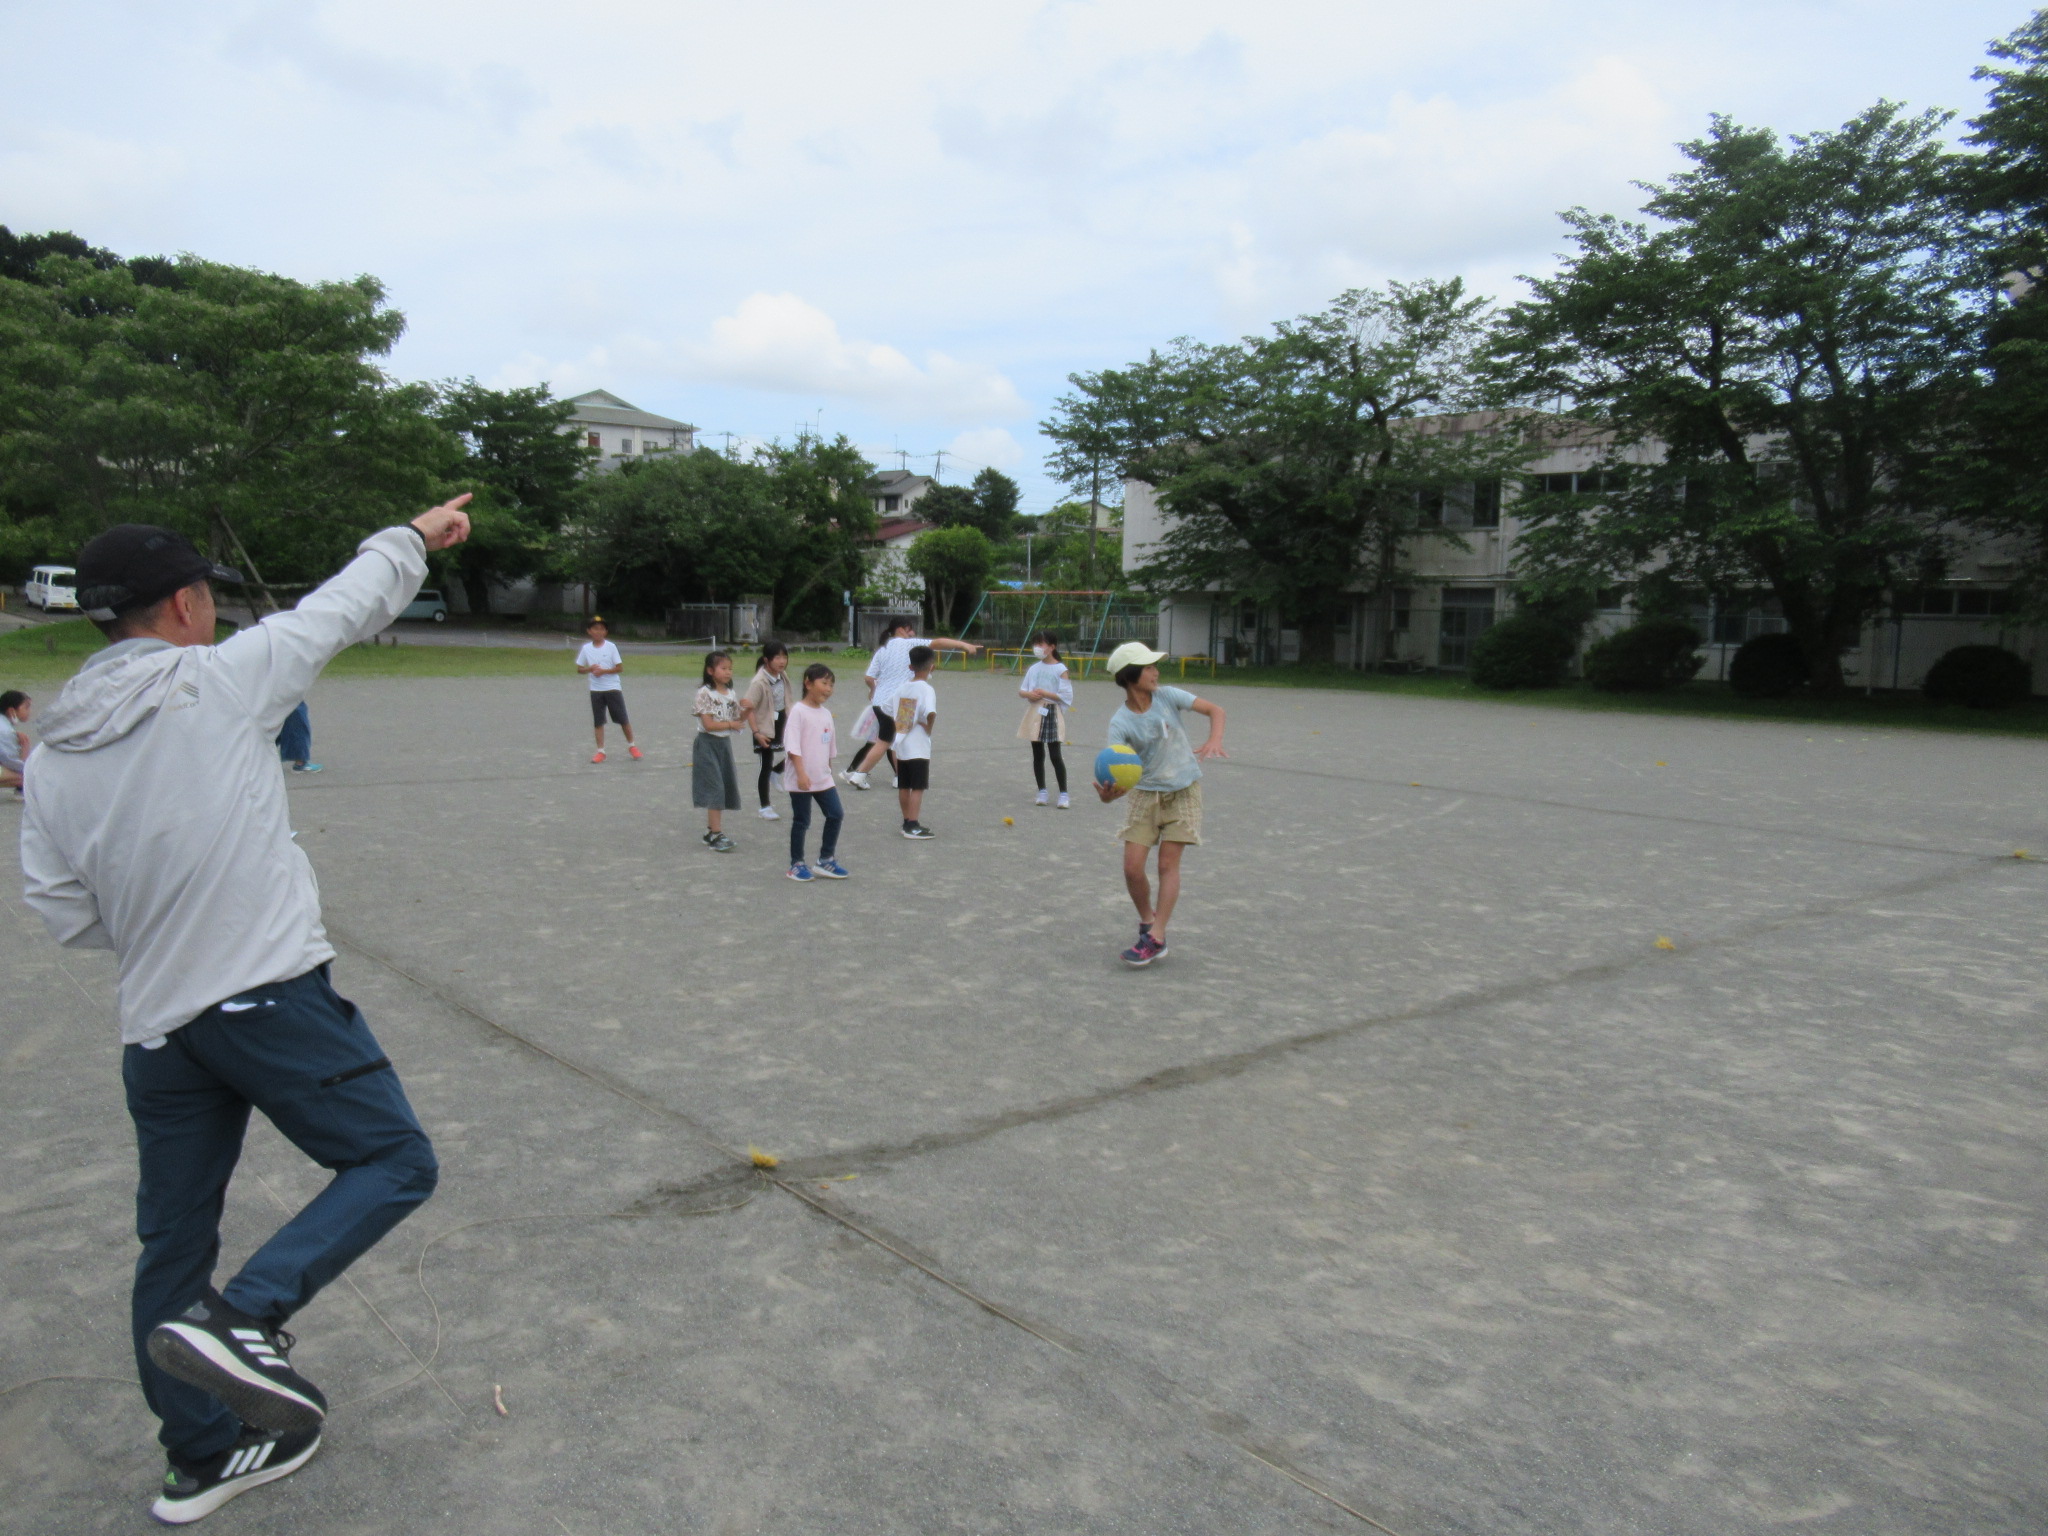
939 467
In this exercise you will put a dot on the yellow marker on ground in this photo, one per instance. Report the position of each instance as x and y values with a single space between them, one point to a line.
1664 943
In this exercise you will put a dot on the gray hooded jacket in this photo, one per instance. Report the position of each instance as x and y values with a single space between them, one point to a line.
156 823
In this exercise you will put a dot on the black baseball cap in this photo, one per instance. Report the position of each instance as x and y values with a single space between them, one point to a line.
134 564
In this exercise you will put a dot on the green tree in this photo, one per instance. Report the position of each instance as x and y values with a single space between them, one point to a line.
1796 327
954 563
821 487
1090 431
525 466
688 527
990 504
245 409
1294 467
2002 464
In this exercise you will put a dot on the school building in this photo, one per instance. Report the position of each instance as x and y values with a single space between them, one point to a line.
1458 593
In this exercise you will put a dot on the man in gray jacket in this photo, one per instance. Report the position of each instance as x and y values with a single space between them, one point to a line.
156 826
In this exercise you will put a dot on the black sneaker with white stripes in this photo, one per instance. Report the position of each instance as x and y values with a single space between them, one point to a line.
242 1362
260 1456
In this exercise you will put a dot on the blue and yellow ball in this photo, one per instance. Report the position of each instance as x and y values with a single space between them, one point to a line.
1120 766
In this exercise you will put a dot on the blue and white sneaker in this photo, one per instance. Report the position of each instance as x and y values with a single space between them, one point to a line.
801 872
832 869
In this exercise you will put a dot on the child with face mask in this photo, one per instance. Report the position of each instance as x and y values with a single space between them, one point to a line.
1049 693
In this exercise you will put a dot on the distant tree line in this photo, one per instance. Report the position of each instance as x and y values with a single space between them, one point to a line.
252 412
1839 340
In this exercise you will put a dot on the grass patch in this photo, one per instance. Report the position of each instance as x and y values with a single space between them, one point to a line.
50 653
1901 710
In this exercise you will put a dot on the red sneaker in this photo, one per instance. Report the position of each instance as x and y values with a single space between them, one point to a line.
598 756
633 752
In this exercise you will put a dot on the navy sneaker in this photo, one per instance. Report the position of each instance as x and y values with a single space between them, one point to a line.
832 869
241 1361
260 1456
1144 952
801 872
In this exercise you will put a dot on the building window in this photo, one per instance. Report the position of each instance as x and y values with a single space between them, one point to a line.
1585 482
1982 602
1429 508
596 440
1467 614
1404 600
1486 504
891 503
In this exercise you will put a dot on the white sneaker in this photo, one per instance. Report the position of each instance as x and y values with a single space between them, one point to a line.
769 813
857 780
1040 800
1065 804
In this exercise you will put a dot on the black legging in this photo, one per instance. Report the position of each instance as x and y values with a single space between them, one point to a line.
767 756
1059 763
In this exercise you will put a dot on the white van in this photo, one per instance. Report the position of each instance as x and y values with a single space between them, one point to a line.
52 586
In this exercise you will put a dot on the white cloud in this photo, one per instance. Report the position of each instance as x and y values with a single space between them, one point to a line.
779 342
985 447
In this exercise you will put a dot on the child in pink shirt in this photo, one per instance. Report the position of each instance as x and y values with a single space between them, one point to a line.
807 745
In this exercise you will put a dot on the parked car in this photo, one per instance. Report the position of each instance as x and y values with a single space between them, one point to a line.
428 605
52 586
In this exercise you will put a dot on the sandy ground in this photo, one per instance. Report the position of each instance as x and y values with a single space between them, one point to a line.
1417 1190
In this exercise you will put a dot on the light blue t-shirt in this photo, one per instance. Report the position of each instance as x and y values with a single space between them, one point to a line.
1159 740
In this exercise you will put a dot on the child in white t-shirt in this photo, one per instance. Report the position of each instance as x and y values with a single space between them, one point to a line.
1049 693
600 661
914 711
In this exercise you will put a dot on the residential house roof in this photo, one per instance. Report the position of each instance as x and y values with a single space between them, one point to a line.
890 529
603 408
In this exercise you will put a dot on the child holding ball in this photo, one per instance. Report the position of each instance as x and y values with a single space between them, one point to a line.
1166 805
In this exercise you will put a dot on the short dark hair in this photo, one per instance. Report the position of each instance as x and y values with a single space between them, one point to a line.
13 698
713 660
921 656
900 622
817 670
1128 676
770 649
1045 637
141 618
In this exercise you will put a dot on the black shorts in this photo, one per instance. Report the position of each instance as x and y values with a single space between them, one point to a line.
885 724
607 701
913 773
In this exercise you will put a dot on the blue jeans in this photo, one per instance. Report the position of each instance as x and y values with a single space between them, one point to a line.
305 1057
295 741
800 822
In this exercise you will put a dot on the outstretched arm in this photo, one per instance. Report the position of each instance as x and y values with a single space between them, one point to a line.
1213 747
275 662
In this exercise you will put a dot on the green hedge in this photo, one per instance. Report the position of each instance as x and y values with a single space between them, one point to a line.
1525 651
1656 654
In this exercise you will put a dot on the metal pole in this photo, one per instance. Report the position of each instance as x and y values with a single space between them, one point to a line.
1107 599
974 615
1032 628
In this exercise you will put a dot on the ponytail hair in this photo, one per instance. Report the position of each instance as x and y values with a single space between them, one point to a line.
1045 637
770 649
713 660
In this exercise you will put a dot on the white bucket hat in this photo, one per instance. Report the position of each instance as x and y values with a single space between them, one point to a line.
1132 654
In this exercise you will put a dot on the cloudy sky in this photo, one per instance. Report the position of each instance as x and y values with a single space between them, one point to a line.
905 221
